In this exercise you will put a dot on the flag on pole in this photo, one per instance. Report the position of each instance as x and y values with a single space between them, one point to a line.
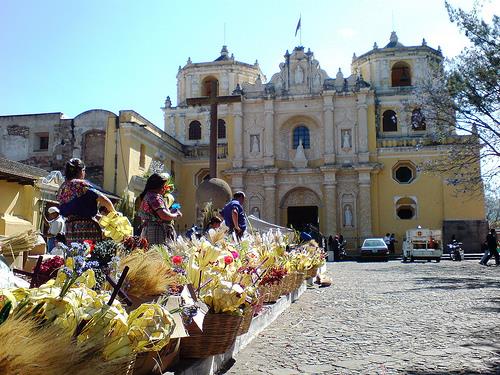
298 26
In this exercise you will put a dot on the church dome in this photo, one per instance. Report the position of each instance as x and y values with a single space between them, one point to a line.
393 41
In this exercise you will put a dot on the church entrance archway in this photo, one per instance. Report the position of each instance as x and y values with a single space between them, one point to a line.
301 217
300 208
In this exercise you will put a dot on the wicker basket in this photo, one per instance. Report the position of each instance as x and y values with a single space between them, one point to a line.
299 279
157 362
311 272
246 320
219 333
271 292
287 284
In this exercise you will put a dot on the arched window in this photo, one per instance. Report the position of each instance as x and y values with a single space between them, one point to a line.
142 156
389 121
417 120
194 130
406 208
401 74
221 129
206 86
301 133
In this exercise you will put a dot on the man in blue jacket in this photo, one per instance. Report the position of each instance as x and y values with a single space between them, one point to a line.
234 215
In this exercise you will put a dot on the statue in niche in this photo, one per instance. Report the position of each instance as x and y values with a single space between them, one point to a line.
254 143
300 160
346 139
347 216
255 212
299 75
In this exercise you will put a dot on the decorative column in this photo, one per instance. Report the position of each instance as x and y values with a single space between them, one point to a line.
362 107
189 86
238 136
268 133
365 205
330 194
237 182
270 196
328 130
181 127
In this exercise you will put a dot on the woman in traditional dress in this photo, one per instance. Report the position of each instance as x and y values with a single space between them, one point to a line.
154 211
79 200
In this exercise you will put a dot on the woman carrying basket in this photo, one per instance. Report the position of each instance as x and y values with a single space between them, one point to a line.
79 200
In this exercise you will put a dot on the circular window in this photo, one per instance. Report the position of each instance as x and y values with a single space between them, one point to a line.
406 208
404 172
405 212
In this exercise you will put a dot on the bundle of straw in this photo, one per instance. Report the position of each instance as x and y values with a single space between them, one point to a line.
148 274
17 243
25 350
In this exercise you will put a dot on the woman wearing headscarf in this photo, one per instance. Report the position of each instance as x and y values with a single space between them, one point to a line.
156 217
79 201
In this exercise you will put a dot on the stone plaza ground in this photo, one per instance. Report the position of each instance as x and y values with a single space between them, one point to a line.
386 318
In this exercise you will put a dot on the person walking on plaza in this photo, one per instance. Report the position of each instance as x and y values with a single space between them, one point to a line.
492 242
392 243
79 200
234 215
56 226
157 218
387 239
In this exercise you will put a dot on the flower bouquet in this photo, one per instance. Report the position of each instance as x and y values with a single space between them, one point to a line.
116 226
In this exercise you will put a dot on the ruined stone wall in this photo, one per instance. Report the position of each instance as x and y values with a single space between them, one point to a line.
82 137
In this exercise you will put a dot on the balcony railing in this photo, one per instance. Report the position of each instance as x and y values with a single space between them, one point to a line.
202 151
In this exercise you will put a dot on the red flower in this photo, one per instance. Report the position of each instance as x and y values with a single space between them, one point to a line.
177 259
228 259
91 245
235 254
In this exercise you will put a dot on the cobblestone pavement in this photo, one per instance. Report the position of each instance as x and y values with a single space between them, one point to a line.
386 318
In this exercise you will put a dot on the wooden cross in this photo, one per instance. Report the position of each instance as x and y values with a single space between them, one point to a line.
213 100
37 278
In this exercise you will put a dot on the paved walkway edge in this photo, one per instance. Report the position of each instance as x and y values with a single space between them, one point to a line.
211 365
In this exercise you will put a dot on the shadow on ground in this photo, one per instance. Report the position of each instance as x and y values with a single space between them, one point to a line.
436 282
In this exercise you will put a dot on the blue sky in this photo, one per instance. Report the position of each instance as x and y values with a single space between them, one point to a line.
72 56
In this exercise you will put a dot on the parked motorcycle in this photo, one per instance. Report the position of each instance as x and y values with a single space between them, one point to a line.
455 250
342 250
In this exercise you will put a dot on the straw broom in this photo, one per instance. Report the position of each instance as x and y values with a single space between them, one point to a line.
148 274
15 244
30 349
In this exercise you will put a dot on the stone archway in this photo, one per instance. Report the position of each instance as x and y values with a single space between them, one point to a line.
300 207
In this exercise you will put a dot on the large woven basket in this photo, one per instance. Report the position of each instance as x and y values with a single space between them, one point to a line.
246 320
311 272
299 279
219 333
271 292
157 362
289 282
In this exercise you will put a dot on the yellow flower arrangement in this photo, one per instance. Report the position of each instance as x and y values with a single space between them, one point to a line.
116 226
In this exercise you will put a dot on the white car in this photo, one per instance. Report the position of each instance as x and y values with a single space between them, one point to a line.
374 248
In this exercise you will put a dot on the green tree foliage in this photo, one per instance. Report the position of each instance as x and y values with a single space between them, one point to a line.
462 102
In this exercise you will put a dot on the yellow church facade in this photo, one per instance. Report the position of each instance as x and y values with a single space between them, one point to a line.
342 153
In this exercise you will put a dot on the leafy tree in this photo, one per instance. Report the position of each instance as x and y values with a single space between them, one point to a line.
492 197
462 102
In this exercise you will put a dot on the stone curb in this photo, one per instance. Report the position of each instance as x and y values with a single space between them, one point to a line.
211 365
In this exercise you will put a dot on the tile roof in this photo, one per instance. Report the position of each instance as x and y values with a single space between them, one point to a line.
24 174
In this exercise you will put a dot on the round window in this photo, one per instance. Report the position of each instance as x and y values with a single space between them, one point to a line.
405 212
404 174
